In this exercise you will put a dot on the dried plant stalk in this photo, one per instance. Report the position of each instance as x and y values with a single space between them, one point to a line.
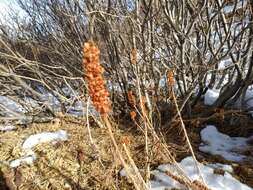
170 82
134 56
100 98
131 98
94 77
198 185
170 78
143 102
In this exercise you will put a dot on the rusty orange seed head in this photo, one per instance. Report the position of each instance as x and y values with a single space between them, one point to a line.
170 78
134 56
95 80
133 115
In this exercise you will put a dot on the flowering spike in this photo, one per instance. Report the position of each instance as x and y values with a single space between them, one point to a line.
134 56
170 78
131 98
95 80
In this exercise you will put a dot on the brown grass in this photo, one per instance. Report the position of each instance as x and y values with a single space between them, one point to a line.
74 164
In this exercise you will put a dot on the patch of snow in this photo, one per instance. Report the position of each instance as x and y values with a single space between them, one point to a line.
216 143
74 105
211 96
213 181
11 105
123 173
224 64
162 82
23 160
34 140
7 127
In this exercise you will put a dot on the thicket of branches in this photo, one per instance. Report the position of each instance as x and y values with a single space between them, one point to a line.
187 37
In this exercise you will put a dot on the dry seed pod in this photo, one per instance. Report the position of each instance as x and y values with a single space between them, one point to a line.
125 140
170 78
134 56
131 98
198 185
95 80
133 115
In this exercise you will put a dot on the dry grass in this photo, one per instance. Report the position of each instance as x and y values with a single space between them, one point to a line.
74 164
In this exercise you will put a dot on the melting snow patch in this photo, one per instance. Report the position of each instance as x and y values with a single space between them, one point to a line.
161 181
23 160
7 128
10 105
34 140
211 96
213 181
216 143
224 64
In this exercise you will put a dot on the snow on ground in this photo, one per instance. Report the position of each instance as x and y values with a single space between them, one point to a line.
74 107
216 143
213 181
32 141
224 64
7 127
44 137
11 105
211 96
162 181
28 159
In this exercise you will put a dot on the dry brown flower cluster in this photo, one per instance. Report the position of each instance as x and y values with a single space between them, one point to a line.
133 115
170 78
94 77
134 56
126 140
131 98
132 101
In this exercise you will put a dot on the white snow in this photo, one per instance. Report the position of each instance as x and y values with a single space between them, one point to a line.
214 181
74 106
123 173
211 96
7 127
44 137
34 140
216 143
11 105
23 160
224 64
5 7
